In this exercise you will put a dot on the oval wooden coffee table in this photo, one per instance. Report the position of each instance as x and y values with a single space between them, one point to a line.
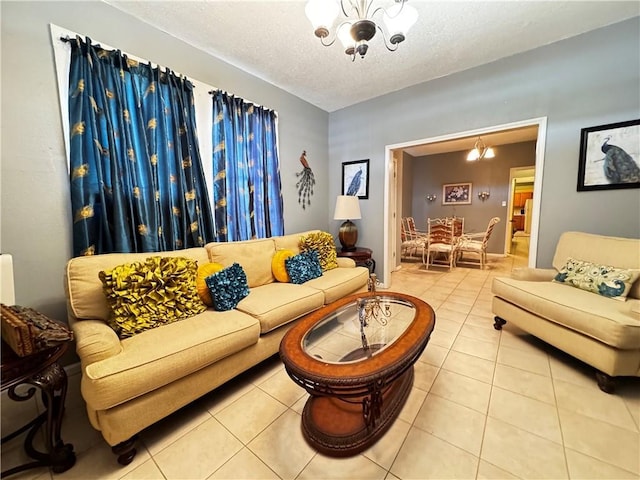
355 357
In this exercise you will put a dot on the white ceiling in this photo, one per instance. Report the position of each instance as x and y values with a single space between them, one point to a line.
274 41
503 137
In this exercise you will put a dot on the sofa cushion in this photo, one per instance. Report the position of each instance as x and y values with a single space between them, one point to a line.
227 287
321 242
613 323
277 303
86 299
253 255
340 282
605 280
148 294
291 242
303 267
162 355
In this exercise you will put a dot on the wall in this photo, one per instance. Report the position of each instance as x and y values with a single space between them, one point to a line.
405 176
491 174
588 80
35 207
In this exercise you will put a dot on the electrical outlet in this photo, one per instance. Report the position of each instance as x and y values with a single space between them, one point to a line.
504 203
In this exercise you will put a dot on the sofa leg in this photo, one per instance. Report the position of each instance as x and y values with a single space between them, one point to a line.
126 451
606 382
498 323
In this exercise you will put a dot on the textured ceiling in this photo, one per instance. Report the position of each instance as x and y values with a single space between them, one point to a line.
273 40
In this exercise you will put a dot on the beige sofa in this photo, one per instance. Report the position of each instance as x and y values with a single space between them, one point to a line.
132 383
602 332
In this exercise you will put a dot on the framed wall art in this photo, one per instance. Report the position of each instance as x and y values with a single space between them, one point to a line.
610 156
456 194
355 178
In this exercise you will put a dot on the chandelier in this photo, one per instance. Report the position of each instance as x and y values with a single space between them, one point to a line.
359 26
480 151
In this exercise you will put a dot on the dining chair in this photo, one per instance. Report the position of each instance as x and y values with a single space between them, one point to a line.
468 244
458 226
441 243
412 239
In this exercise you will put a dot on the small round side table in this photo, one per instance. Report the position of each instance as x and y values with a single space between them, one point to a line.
362 256
40 370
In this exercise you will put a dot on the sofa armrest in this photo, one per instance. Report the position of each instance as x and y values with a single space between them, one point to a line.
95 341
534 274
344 262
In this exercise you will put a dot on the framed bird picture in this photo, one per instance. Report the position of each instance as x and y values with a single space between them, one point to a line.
610 156
355 178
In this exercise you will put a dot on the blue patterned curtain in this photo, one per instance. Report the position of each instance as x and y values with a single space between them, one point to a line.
247 189
137 183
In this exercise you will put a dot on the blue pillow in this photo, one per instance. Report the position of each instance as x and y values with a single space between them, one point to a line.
303 267
227 287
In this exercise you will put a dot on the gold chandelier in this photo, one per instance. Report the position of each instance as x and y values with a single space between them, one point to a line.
359 27
480 151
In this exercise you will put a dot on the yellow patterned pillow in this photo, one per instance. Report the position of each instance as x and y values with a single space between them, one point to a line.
321 242
149 294
278 267
205 270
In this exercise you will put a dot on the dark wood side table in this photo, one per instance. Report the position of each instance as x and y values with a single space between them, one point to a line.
362 256
40 370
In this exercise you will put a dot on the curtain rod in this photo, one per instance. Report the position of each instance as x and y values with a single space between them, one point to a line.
68 40
211 92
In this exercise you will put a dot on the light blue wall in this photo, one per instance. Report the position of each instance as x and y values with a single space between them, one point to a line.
35 207
589 80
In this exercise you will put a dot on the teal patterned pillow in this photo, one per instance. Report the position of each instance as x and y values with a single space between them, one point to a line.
227 287
303 267
604 280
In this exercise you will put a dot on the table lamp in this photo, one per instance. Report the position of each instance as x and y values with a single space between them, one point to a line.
347 208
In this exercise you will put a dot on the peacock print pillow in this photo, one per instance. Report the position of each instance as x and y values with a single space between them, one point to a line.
604 280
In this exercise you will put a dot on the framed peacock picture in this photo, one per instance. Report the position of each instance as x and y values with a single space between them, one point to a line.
610 156
355 178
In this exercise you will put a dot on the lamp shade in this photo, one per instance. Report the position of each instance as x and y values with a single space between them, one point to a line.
322 13
400 18
473 155
347 208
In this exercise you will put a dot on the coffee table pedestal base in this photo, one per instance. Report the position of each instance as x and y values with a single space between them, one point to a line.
338 427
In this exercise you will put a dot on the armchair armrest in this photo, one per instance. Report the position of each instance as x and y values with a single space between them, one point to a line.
534 274
345 262
95 341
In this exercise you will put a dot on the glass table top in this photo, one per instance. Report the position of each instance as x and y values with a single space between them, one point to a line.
359 330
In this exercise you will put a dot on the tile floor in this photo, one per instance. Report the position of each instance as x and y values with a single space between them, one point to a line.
485 404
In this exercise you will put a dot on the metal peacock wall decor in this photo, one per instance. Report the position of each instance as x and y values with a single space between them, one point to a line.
306 182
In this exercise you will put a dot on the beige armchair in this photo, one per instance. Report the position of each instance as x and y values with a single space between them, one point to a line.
600 331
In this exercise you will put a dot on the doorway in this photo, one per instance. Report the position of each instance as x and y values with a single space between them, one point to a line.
393 192
518 231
